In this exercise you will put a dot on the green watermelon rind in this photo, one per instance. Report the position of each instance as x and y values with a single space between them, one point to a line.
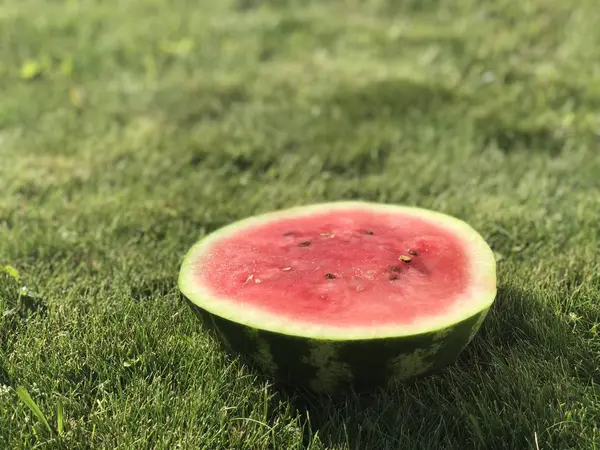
330 359
336 366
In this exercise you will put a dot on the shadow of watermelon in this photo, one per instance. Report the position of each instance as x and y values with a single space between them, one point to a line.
518 321
474 398
519 325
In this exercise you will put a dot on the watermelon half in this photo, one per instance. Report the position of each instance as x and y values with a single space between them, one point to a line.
345 295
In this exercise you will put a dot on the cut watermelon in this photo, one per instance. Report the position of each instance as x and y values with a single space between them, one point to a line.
345 295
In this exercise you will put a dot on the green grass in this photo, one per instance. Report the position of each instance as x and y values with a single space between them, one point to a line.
128 129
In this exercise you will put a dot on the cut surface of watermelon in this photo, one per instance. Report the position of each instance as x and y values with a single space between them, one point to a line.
396 289
343 270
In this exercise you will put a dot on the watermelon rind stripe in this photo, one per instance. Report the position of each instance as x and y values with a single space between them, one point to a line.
337 367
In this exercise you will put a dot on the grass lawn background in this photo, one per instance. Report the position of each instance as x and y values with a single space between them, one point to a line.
128 129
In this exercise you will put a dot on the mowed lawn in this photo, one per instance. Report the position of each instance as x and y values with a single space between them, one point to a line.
129 129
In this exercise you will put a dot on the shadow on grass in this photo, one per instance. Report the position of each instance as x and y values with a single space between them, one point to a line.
387 6
393 99
4 378
510 137
248 5
402 100
17 304
192 104
146 289
518 323
464 403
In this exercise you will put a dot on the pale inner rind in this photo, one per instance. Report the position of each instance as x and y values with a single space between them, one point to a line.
480 293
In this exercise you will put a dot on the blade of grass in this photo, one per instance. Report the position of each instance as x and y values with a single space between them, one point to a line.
60 419
32 405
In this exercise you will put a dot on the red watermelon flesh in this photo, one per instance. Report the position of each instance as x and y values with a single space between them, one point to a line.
356 267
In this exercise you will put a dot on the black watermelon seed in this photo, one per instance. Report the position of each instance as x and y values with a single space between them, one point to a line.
369 232
304 244
412 252
288 233
330 276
